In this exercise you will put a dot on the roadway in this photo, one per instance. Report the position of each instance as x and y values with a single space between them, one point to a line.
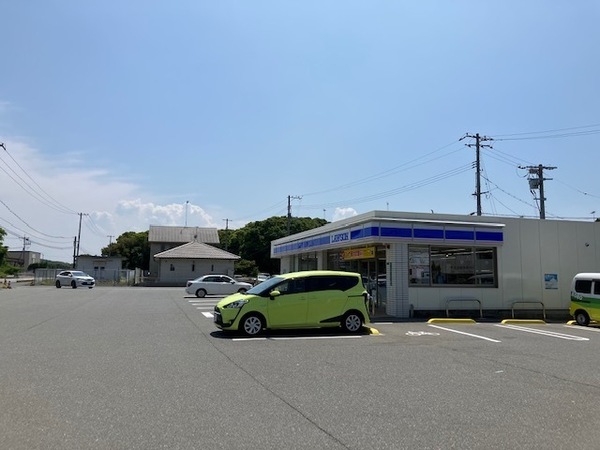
145 368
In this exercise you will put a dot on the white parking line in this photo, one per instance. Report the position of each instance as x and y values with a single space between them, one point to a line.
208 315
295 338
578 327
466 334
568 337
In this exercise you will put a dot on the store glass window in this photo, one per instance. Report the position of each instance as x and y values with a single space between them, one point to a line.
418 260
307 261
445 265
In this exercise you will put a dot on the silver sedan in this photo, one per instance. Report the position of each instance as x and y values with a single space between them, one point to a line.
215 285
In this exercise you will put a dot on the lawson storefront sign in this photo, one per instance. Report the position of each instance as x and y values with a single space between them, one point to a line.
412 232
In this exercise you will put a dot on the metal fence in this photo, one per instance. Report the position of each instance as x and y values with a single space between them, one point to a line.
102 277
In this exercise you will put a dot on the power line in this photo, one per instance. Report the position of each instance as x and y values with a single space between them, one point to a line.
44 197
37 231
386 173
396 191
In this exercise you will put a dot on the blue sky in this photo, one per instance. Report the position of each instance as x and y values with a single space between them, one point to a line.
127 111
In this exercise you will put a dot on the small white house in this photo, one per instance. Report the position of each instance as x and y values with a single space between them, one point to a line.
192 260
420 263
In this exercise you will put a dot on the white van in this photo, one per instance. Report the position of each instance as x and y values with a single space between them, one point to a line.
585 298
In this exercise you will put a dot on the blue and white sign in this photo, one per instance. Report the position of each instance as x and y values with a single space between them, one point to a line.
340 237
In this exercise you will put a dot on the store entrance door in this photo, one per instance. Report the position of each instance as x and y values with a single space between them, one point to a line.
374 277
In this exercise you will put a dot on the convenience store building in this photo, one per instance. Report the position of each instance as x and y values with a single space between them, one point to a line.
418 264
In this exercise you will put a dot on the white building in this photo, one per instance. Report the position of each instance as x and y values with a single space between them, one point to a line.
191 260
100 267
429 263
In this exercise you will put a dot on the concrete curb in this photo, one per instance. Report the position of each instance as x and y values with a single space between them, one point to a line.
522 321
440 320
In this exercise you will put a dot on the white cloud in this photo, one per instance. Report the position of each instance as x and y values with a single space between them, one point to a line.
173 214
36 192
343 213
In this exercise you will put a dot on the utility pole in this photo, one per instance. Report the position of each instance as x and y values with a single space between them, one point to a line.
74 250
289 213
478 146
538 183
25 243
226 233
186 211
109 243
78 240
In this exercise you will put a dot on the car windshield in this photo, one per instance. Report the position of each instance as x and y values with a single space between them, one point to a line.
265 286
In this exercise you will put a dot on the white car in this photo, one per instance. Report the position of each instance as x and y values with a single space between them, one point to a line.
75 279
215 285
262 277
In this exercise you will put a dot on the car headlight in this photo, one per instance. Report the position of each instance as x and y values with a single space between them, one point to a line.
237 304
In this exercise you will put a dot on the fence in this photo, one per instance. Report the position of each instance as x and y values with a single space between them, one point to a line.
102 277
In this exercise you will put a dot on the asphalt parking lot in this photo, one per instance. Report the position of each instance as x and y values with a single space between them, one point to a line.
114 368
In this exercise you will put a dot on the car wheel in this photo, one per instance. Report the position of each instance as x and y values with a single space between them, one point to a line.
57 284
251 325
352 322
73 284
242 290
582 318
200 293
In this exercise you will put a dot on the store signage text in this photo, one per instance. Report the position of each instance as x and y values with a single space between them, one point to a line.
359 253
345 236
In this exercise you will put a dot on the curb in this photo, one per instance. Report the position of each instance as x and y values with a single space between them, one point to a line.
528 321
439 320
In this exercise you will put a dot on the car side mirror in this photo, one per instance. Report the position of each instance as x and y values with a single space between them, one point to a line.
274 294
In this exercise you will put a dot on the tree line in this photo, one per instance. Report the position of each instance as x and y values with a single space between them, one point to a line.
251 242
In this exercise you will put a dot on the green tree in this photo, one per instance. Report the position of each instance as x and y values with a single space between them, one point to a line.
253 241
246 268
133 247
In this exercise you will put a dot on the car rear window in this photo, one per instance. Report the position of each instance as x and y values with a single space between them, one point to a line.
331 283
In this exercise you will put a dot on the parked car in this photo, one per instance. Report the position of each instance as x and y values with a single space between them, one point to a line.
585 298
215 285
319 298
75 279
262 277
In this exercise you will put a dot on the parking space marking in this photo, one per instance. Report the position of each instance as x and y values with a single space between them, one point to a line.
578 327
466 334
568 337
208 315
295 338
422 333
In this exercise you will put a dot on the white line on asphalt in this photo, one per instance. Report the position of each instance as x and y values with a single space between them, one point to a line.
296 338
544 333
466 334
578 327
207 314
205 307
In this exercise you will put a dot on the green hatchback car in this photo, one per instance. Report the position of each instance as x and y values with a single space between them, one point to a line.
309 299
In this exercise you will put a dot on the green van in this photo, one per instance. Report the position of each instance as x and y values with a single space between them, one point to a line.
317 298
585 298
